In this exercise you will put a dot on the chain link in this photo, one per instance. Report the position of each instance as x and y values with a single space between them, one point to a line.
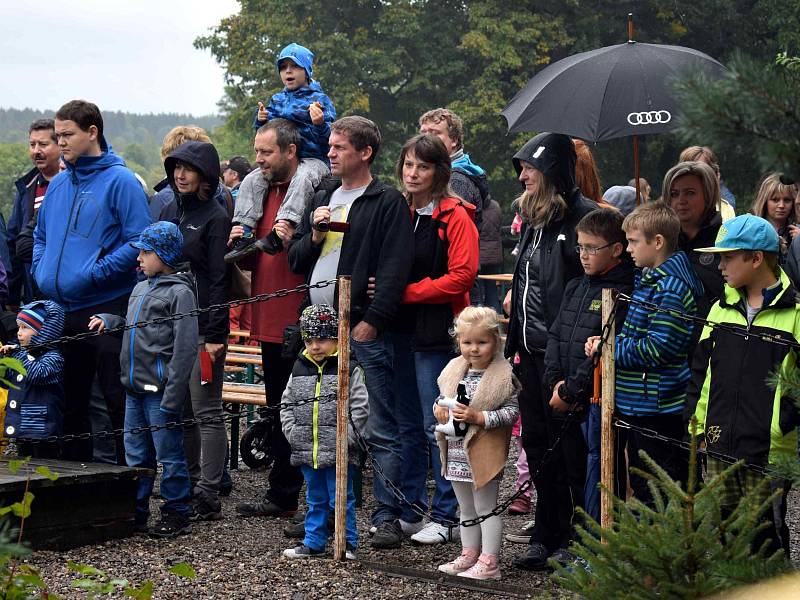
305 287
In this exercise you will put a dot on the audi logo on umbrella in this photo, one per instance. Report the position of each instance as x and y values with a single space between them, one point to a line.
652 117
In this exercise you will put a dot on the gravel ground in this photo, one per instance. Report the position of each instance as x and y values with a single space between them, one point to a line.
241 558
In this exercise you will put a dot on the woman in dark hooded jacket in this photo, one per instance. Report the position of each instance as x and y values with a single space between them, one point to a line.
551 207
193 173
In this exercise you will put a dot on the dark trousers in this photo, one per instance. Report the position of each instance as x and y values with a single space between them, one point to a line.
82 360
560 481
673 459
284 480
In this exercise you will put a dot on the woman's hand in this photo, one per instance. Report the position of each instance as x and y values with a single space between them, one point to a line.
507 304
214 350
794 230
467 414
441 413
96 324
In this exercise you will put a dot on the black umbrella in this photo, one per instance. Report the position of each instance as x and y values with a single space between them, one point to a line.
616 91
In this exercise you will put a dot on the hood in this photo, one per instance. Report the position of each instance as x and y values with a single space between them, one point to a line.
461 161
202 156
182 275
85 166
26 180
554 155
53 327
446 205
677 265
301 56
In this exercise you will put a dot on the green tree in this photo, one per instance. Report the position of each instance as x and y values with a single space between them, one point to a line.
14 163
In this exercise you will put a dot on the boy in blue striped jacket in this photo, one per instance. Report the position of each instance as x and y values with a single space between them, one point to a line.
651 352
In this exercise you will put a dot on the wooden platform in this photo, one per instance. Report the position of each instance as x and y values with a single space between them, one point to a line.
89 503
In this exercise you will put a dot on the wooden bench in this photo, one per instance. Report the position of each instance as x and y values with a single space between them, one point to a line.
241 358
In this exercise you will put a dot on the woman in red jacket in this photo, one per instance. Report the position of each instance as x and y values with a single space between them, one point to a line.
444 270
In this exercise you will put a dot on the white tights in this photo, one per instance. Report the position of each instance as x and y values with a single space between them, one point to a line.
488 536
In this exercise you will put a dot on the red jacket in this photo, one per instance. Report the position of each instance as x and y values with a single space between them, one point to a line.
462 258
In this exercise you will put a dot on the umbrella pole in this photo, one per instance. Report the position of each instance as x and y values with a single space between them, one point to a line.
636 167
630 27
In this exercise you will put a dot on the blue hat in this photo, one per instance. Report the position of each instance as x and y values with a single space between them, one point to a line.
745 232
163 238
299 55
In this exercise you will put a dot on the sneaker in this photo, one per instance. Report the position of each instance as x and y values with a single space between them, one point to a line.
388 535
270 243
563 557
521 536
467 559
533 559
411 528
242 247
205 508
520 506
171 525
303 551
350 552
434 533
487 567
264 508
297 528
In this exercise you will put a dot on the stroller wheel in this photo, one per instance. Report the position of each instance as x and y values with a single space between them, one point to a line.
256 447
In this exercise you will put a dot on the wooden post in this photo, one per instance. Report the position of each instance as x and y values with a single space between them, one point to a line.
342 420
607 453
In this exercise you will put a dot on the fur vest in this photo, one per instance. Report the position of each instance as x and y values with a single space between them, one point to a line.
486 449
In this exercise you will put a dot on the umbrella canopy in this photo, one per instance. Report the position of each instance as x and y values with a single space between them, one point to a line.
611 92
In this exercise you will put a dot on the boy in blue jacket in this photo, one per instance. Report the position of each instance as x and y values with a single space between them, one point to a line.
36 408
156 362
651 352
302 102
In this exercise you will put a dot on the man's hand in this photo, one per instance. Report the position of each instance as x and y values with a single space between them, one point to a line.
507 304
364 332
467 414
96 324
556 403
284 230
591 345
321 214
214 350
262 113
316 114
237 231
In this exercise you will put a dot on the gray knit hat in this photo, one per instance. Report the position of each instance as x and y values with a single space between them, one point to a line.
319 321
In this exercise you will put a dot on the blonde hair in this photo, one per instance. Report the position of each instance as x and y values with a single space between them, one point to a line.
481 317
702 154
655 218
181 134
543 205
770 186
708 179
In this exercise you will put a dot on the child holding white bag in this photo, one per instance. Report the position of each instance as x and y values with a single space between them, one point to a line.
474 462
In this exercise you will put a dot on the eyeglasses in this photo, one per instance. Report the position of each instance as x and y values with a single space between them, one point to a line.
591 250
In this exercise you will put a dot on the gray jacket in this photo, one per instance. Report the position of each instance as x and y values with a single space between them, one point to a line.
159 358
311 427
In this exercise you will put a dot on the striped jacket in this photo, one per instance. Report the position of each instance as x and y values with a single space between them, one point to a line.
651 350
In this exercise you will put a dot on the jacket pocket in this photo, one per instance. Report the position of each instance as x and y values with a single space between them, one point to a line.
86 214
159 368
33 420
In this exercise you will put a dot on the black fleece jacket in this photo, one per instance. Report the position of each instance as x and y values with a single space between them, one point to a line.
379 244
205 226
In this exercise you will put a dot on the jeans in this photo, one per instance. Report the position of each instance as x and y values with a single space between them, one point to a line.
414 472
591 433
428 367
321 498
377 359
165 446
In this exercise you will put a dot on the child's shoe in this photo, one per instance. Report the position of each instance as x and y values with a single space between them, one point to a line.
303 551
487 567
350 552
270 243
520 506
171 525
244 246
468 558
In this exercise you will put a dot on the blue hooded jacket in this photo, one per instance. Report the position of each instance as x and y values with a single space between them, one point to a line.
293 105
81 253
36 408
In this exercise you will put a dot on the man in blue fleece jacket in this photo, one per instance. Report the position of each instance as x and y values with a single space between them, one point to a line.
83 260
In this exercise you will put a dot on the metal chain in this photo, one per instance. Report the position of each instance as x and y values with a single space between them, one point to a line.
178 316
731 328
171 425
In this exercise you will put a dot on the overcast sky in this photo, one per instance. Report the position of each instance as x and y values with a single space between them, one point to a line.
133 56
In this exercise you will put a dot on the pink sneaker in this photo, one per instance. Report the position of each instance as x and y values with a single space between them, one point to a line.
469 556
520 506
487 567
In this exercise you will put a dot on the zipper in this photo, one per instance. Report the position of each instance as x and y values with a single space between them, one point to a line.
537 239
315 419
74 179
133 335
580 306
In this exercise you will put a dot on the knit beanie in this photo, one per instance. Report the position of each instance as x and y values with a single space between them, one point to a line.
319 321
33 315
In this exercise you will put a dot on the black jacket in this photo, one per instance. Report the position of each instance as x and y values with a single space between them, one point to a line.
205 226
705 264
379 244
580 317
553 155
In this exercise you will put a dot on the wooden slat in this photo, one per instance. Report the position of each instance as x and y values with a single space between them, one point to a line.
242 359
244 349
243 388
243 399
239 334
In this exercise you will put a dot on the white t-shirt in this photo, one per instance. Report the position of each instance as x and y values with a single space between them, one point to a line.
328 262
